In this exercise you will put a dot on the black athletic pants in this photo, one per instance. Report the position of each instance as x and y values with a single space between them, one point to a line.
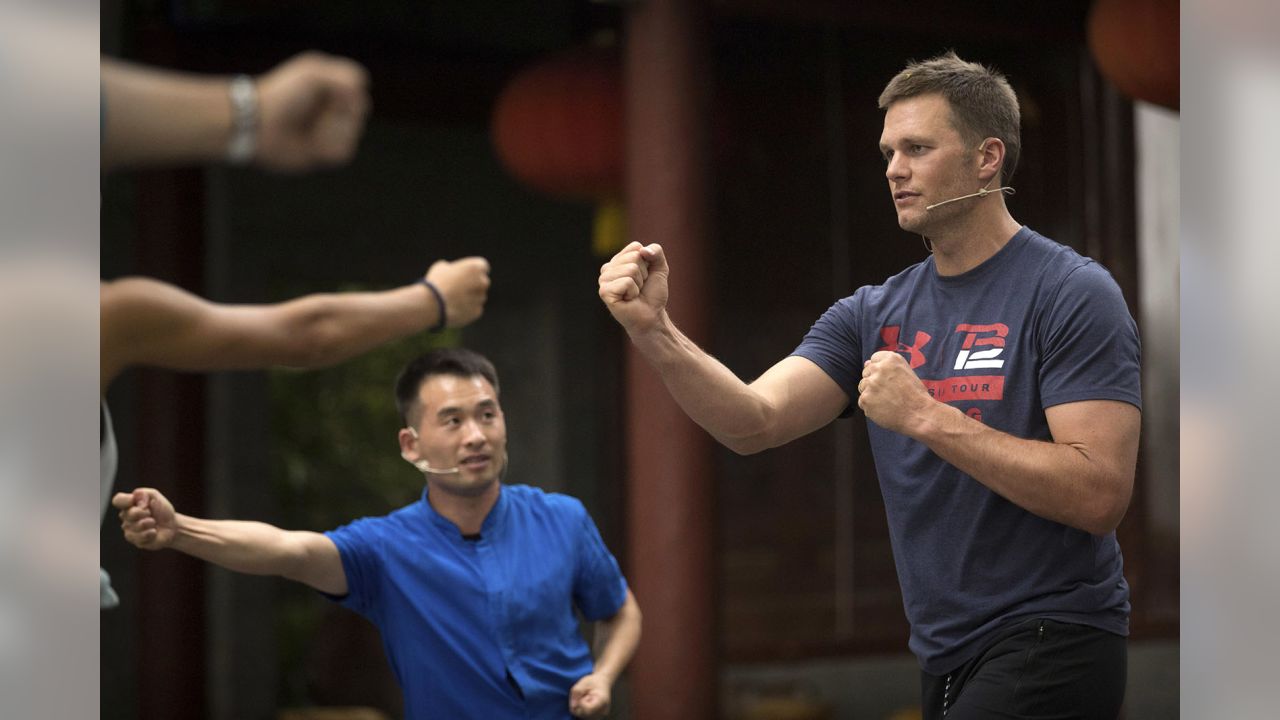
1041 669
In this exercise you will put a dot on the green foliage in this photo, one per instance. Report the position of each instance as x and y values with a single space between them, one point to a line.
334 451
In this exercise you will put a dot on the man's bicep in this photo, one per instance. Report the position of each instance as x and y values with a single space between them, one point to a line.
802 398
598 583
319 563
1105 431
628 607
144 322
1088 345
162 325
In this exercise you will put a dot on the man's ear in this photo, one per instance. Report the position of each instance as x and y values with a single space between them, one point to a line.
408 444
990 159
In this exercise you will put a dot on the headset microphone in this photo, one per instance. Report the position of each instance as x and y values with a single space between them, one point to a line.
981 193
425 467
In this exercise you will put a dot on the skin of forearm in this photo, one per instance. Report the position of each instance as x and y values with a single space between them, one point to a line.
616 640
242 546
155 116
1057 481
708 392
333 327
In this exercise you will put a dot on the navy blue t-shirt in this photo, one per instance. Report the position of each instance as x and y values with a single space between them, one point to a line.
483 627
1036 325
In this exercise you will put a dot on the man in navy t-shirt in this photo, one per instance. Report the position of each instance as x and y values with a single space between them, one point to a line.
1001 381
474 588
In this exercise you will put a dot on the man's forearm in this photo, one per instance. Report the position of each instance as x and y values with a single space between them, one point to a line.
332 327
708 392
242 546
159 116
616 640
1062 482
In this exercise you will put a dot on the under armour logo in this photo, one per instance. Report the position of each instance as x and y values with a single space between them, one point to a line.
890 333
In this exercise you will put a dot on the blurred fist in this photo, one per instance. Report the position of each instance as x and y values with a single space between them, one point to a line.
590 697
633 285
312 110
147 518
464 283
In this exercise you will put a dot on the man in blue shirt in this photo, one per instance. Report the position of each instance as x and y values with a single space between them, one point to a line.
1000 379
473 588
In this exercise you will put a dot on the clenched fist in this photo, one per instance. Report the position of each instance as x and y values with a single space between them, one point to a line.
590 697
312 112
147 518
633 285
890 393
464 284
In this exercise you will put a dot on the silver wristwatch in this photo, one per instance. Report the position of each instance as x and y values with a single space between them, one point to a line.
244 120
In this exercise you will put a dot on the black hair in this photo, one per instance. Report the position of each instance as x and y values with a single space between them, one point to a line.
458 362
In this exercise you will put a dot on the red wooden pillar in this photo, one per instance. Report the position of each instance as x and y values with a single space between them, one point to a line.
170 450
171 639
669 473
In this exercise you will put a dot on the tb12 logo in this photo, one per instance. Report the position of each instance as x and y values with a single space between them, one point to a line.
988 336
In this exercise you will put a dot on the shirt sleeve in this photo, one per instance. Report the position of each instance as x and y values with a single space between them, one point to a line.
833 345
599 589
1089 342
358 547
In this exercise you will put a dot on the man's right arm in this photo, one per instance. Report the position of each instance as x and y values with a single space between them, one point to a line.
791 399
311 112
148 322
150 522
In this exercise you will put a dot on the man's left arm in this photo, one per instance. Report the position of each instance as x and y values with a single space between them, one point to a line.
310 113
616 639
1082 478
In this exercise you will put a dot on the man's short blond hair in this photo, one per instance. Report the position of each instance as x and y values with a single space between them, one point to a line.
982 103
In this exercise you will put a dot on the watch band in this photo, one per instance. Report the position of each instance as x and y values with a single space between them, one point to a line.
244 120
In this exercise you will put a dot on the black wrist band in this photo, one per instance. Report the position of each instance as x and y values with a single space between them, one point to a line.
439 303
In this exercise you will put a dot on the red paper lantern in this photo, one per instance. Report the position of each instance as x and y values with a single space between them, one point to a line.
1135 43
557 126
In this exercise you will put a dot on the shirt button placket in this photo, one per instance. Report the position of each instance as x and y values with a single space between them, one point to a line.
496 598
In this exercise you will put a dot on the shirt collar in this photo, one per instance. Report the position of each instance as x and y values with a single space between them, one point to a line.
492 521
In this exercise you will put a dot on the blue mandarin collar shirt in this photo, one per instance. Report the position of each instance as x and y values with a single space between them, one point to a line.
483 627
